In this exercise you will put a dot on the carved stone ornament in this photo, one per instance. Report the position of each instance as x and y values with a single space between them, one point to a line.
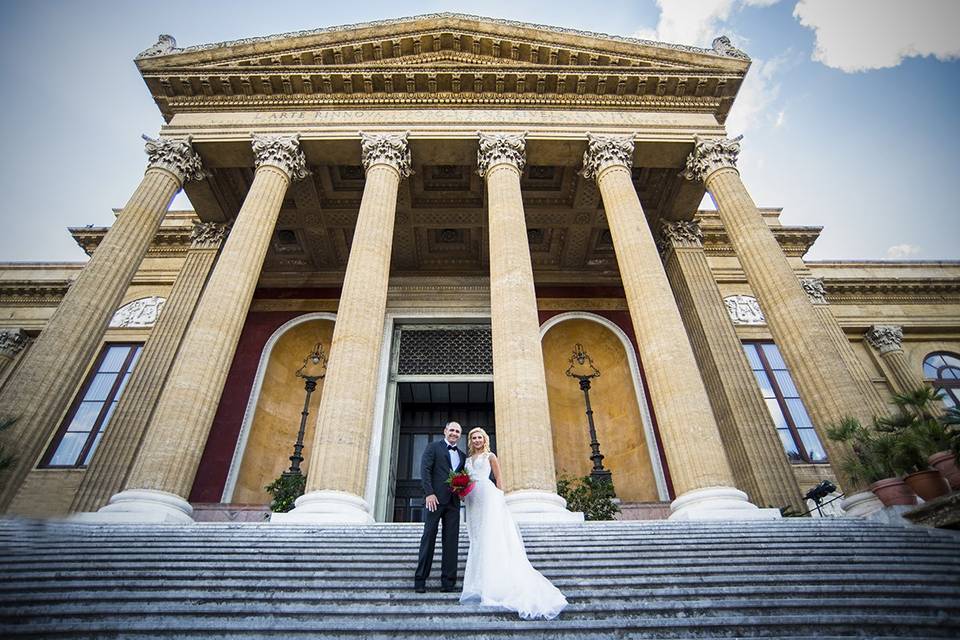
12 341
814 289
139 313
744 310
885 338
723 47
176 156
282 152
682 233
209 234
711 154
165 44
387 149
497 148
606 151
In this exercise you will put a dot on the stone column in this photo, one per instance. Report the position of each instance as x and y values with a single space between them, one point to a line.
694 449
164 468
108 469
12 342
818 298
524 434
750 439
828 391
888 342
41 388
337 473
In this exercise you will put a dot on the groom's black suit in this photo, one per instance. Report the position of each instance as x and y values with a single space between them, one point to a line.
435 467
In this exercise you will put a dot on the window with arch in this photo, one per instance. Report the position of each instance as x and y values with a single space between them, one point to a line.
942 370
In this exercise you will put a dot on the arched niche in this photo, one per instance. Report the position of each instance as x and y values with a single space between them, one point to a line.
624 428
272 417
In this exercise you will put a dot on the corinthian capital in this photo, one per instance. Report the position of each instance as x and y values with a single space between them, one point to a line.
12 341
682 232
606 151
497 148
711 154
176 156
386 149
814 289
208 234
282 152
885 338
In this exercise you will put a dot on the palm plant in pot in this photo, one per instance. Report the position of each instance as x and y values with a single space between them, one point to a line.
875 458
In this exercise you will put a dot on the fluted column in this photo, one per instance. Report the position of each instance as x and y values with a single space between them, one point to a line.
888 342
524 434
828 390
164 468
108 469
756 455
336 481
701 474
38 392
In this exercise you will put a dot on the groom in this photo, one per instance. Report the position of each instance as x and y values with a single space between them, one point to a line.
439 458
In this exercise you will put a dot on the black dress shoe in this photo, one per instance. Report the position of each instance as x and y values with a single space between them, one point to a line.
420 588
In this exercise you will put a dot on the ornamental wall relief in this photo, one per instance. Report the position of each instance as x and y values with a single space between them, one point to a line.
139 313
744 310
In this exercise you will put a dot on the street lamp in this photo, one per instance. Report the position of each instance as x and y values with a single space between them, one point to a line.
582 363
314 368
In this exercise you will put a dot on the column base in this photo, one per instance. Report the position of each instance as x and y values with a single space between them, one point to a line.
718 503
326 507
140 506
861 505
530 505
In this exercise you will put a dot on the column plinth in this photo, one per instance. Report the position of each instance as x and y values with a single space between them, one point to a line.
692 443
524 434
41 388
336 482
168 458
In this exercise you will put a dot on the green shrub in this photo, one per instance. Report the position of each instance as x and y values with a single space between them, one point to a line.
594 498
285 490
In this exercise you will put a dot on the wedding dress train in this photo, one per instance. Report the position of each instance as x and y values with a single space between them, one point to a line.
498 573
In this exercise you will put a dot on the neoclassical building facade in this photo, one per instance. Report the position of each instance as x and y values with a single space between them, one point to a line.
452 208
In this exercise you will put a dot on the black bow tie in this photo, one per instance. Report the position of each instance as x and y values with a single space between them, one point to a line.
451 447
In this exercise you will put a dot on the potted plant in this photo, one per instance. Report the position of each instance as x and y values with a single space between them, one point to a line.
945 460
875 459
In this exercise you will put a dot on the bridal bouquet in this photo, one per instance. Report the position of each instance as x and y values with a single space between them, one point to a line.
460 483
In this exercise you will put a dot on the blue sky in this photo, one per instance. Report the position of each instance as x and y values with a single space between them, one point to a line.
849 113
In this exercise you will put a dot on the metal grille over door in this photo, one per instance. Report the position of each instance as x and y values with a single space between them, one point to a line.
445 351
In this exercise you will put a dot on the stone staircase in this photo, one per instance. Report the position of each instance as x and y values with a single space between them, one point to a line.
798 577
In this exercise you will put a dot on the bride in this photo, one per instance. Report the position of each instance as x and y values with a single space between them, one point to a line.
498 572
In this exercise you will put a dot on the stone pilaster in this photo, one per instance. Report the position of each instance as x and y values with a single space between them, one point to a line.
108 469
829 392
749 436
692 443
165 466
336 481
42 386
887 340
524 434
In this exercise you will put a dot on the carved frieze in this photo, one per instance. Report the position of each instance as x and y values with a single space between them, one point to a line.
744 310
387 149
12 342
176 156
814 290
885 338
710 155
606 151
209 234
282 152
498 148
139 313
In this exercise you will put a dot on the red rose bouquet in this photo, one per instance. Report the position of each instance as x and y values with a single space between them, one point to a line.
460 483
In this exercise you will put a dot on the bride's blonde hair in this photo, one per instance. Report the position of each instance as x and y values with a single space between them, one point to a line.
486 441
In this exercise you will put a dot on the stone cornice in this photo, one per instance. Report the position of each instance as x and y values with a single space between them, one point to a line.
795 241
174 240
28 293
892 290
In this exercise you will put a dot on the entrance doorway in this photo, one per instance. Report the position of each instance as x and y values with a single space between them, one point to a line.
424 408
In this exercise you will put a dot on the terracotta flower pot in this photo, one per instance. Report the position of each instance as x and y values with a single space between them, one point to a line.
893 491
928 484
946 464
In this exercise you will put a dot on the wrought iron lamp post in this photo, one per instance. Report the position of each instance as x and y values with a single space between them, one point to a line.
314 368
582 363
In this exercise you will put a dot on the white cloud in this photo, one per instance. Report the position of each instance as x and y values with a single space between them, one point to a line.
859 35
901 251
757 94
695 22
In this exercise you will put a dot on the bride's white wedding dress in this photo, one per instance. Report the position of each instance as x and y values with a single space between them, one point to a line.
498 572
